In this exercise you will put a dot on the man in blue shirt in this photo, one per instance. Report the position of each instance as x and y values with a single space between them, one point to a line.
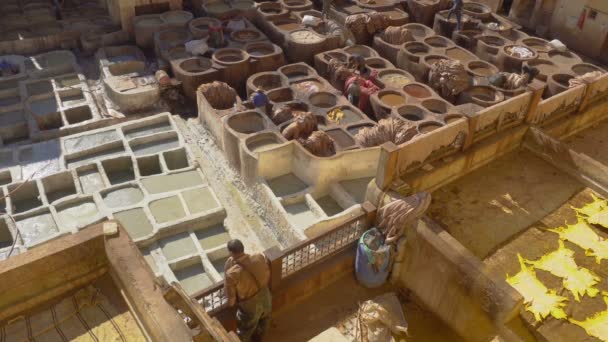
457 10
260 101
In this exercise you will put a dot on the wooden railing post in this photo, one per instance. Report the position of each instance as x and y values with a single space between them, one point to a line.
275 258
537 96
387 166
370 213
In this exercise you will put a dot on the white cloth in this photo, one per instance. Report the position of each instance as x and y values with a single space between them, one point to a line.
197 47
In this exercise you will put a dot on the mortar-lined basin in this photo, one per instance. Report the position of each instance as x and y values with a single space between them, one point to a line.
216 8
243 5
489 46
376 63
177 17
177 52
342 139
259 49
438 42
199 27
306 37
411 112
271 8
484 96
481 69
288 24
395 78
566 57
429 126
349 116
229 56
196 65
263 142
124 196
436 106
295 71
559 83
361 50
391 98
450 118
267 81
174 35
477 10
459 54
536 44
545 67
583 68
342 57
416 49
245 35
280 95
417 90
247 123
419 31
429 60
323 99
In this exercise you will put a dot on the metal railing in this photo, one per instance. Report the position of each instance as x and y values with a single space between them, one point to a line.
287 263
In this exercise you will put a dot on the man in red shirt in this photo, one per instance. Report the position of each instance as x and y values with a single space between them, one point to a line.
246 285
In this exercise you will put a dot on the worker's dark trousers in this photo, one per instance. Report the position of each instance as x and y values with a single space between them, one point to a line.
458 13
253 316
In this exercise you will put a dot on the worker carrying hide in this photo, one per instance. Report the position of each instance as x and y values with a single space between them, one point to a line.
246 286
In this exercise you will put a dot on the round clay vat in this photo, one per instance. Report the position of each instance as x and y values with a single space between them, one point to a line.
361 50
488 46
510 62
259 49
466 38
280 95
438 42
514 35
484 96
496 26
243 5
417 90
564 58
266 81
414 50
481 69
323 99
376 63
297 5
450 118
545 67
263 141
271 8
394 78
419 31
510 92
411 113
216 8
245 35
391 98
583 68
477 10
535 43
558 83
305 37
247 123
229 56
295 71
177 52
199 27
174 35
177 18
342 57
436 106
429 126
288 24
196 65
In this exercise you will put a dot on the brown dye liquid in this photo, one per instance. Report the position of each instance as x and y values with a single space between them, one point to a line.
483 71
428 128
289 26
460 55
416 91
392 100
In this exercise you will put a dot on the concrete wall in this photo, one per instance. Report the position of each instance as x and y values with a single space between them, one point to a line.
450 282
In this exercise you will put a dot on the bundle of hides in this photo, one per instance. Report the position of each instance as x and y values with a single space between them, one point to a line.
338 71
507 80
585 79
363 26
286 112
320 144
449 78
397 35
392 218
519 52
395 130
305 123
219 94
381 318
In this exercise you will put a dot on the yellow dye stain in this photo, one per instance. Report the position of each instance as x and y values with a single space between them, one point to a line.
539 300
582 235
595 212
578 280
597 325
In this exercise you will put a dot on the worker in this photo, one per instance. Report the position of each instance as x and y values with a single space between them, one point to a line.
456 10
354 91
357 63
261 102
246 286
216 36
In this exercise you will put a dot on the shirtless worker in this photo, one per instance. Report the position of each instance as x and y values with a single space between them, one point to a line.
246 285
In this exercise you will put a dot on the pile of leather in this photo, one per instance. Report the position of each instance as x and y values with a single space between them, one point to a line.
302 127
449 78
397 35
585 79
219 94
391 129
320 144
393 218
363 26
